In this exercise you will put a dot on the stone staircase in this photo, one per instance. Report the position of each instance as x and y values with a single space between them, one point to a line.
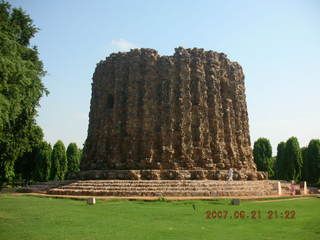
161 188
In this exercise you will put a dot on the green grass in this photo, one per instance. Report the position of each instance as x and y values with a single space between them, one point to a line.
29 217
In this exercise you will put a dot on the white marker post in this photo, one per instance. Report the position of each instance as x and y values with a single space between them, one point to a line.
279 189
91 201
305 189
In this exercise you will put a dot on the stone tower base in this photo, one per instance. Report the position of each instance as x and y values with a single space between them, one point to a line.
170 174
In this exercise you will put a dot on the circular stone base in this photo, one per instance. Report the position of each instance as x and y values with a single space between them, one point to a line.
167 174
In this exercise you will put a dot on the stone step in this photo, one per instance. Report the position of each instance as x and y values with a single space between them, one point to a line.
160 185
165 187
168 184
174 181
162 193
161 188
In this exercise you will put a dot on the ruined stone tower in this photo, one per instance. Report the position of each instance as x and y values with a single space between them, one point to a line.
168 117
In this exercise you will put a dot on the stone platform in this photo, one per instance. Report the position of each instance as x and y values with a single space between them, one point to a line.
161 188
171 174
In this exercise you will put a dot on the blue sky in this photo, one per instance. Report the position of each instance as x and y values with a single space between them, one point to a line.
276 42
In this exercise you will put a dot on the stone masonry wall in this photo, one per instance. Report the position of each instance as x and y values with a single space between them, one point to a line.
182 112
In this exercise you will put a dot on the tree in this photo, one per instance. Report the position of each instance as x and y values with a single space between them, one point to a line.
271 171
59 164
25 164
43 162
304 169
280 165
262 154
293 159
312 162
80 154
20 87
73 156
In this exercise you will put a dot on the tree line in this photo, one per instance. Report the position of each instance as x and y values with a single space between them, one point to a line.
44 163
292 162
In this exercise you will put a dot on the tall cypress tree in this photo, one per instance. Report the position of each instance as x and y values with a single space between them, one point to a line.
313 161
43 162
280 165
73 156
59 162
304 169
293 159
262 154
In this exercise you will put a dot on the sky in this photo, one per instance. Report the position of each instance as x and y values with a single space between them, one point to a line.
277 43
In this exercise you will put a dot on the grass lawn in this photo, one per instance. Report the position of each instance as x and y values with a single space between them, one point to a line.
30 217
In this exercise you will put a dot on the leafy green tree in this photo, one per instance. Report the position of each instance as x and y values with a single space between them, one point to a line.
271 171
20 87
80 155
304 170
73 156
43 162
280 164
262 154
59 164
25 164
312 162
293 159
